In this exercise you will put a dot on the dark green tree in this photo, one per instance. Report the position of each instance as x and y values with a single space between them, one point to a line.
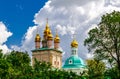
5 67
104 40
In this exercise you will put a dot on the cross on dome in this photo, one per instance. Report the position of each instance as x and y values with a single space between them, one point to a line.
74 43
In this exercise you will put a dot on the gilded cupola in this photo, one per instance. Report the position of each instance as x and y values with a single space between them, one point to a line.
47 30
50 37
56 39
74 43
37 38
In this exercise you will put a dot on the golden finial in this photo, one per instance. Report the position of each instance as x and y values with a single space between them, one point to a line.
56 32
47 26
74 43
47 20
37 31
56 39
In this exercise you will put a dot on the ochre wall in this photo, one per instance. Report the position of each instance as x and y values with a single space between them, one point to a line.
52 56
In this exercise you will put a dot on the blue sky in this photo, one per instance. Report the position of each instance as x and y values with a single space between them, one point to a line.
18 15
20 19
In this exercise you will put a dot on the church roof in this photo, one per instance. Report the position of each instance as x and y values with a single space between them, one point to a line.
74 62
44 49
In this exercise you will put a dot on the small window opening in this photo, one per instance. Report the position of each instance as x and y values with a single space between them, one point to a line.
70 61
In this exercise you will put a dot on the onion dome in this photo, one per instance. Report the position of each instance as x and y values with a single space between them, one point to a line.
74 43
37 38
74 62
47 30
56 39
50 37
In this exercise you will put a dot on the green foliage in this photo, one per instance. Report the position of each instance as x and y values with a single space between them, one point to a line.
104 40
96 69
45 71
16 65
113 73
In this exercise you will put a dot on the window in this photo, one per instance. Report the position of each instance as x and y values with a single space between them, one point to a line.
75 52
70 61
55 62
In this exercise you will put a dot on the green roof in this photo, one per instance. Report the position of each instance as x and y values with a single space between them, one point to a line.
44 49
74 62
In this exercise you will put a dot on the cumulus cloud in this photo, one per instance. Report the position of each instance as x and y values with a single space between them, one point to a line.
70 16
4 35
28 40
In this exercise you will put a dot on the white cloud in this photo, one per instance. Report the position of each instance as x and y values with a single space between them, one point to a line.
91 27
28 40
4 48
89 55
4 35
70 16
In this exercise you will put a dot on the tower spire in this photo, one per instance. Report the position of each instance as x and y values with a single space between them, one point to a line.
74 43
74 46
37 40
56 32
56 39
74 36
37 31
47 30
47 20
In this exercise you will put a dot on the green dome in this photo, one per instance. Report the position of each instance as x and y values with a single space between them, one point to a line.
74 62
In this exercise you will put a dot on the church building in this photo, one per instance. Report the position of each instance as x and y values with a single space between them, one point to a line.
47 49
74 62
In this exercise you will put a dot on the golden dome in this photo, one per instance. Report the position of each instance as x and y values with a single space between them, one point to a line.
47 30
74 43
56 39
37 38
50 37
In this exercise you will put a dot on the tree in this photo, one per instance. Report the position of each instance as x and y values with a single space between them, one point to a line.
44 70
18 58
96 69
16 65
112 73
104 40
